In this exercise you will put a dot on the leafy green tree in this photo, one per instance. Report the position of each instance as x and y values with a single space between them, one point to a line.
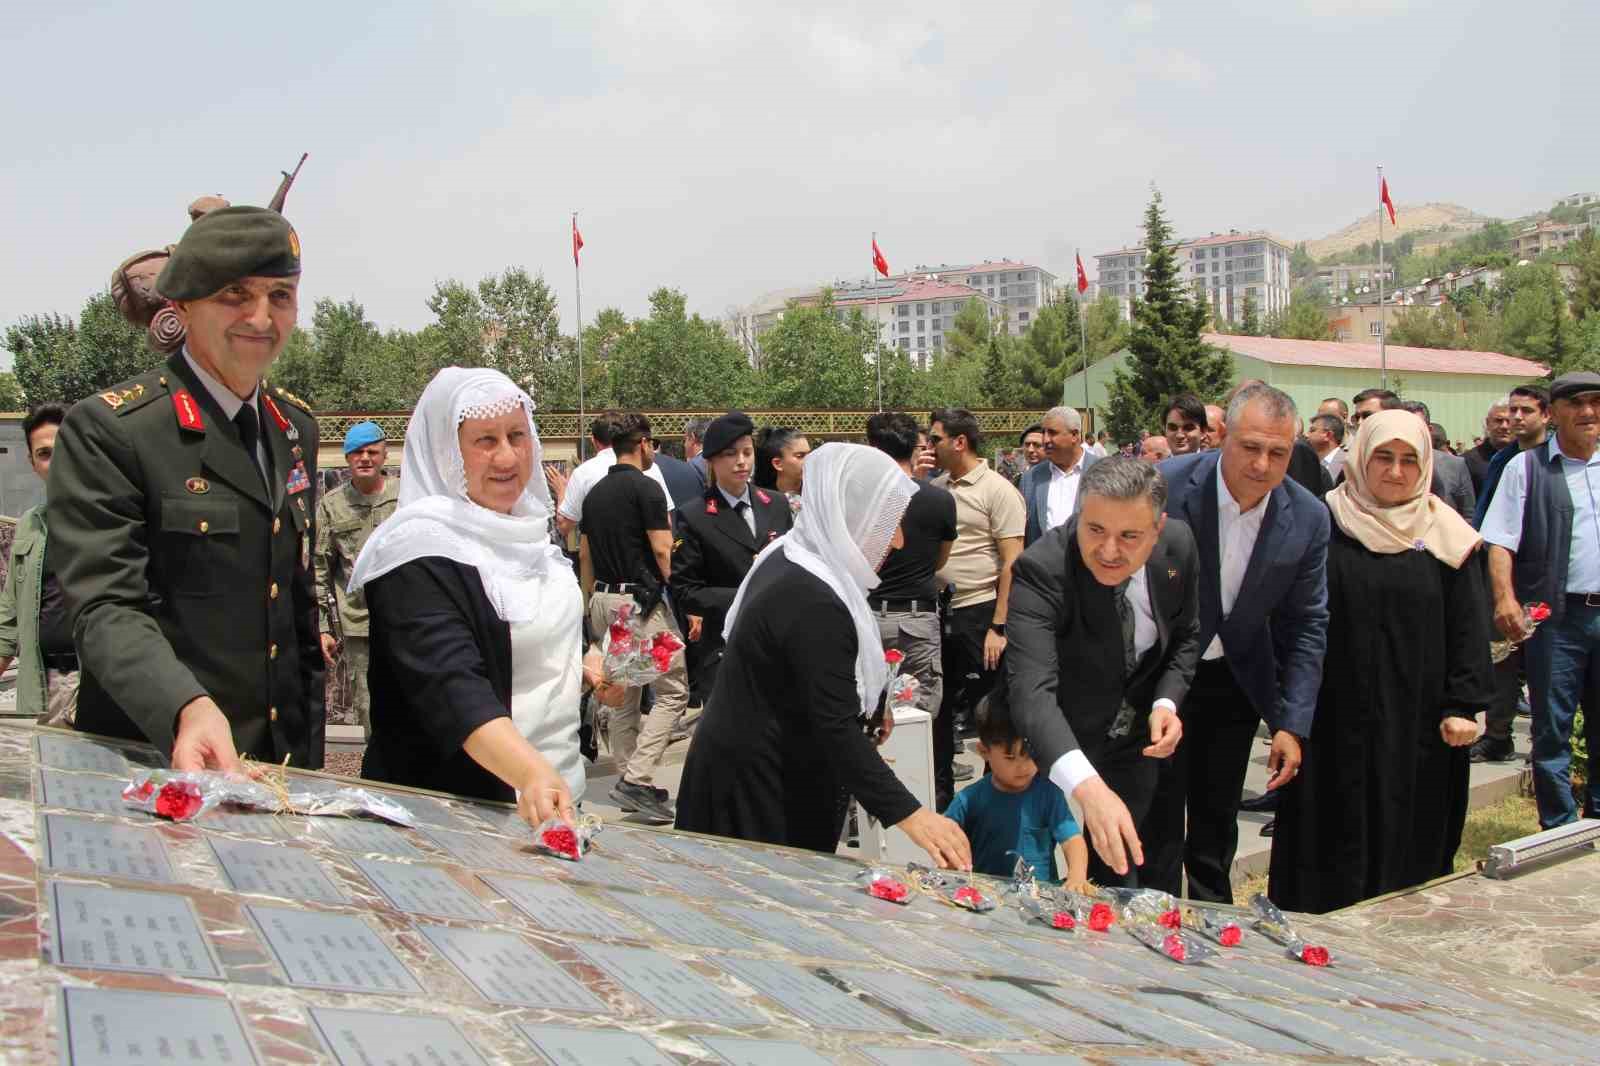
679 361
522 328
1306 319
296 368
1002 378
1106 329
1250 317
1166 354
1585 256
969 332
813 358
1048 353
344 338
61 361
1300 261
1425 327
456 337
11 397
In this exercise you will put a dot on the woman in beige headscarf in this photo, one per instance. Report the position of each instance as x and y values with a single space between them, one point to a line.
1382 793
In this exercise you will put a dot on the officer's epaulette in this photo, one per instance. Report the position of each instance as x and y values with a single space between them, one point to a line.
132 395
288 397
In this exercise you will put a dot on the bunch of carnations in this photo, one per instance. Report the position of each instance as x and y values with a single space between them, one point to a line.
1048 910
948 886
632 658
553 836
881 883
1214 924
183 796
1532 615
1271 924
1097 914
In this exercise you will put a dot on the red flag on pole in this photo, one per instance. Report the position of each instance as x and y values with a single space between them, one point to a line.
1383 199
1083 278
577 240
878 261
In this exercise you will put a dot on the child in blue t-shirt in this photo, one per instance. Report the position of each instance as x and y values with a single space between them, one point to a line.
1016 809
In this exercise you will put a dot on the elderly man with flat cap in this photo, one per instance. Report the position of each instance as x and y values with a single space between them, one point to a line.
721 535
181 503
346 517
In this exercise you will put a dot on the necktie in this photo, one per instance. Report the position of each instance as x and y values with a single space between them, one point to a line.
250 436
749 516
1123 724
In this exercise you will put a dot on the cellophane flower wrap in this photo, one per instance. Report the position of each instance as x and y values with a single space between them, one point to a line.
1532 614
1214 925
1271 924
1152 919
632 658
183 796
883 883
956 889
1048 910
570 842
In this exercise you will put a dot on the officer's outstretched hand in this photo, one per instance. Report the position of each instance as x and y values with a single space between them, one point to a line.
940 837
204 740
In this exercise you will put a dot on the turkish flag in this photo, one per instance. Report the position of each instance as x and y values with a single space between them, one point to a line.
878 261
1083 278
577 240
1383 199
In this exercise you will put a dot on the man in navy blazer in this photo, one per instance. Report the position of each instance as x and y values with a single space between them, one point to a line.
1056 479
1263 544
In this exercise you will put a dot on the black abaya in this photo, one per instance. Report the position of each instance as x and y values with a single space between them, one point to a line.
1380 799
781 735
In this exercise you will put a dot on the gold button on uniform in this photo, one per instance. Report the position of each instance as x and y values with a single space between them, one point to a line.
277 524
205 527
272 651
272 714
272 591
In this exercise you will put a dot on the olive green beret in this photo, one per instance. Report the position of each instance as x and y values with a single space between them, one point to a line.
225 245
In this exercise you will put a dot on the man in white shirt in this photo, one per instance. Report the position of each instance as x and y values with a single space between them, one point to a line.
1051 487
569 508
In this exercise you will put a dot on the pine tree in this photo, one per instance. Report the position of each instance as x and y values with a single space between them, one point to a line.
1165 353
1250 326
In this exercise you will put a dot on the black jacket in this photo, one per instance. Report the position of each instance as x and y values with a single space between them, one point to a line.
714 552
440 667
1064 648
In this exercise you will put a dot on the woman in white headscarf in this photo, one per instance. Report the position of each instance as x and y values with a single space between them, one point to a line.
476 639
783 732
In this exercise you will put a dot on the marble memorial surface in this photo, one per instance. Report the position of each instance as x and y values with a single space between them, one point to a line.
247 938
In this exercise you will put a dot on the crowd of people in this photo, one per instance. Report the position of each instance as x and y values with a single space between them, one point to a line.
1117 628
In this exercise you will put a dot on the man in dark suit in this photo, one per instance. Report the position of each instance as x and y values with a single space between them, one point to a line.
683 480
1051 488
720 536
1263 544
1104 639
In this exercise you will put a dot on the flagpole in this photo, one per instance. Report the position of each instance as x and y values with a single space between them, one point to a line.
577 284
877 311
1083 340
1383 325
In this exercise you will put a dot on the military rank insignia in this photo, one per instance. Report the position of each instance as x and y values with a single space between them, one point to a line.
299 480
188 411
763 497
711 506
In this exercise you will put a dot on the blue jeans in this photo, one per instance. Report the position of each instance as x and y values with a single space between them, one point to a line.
1563 664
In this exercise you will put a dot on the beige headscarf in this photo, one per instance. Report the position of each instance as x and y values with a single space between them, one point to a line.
1422 523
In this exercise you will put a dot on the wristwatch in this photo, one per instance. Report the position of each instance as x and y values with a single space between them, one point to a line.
997 628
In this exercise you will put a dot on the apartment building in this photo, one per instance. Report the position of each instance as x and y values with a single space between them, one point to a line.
1020 289
1221 269
911 313
1547 237
1339 280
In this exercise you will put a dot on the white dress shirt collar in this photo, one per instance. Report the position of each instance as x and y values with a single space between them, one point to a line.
225 397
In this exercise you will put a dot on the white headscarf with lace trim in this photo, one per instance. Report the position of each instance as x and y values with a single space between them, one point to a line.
851 501
511 552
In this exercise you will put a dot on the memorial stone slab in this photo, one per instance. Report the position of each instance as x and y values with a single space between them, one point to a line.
76 753
590 870
255 824
1045 1013
786 892
685 879
807 996
934 1008
376 1038
785 865
669 987
364 838
431 811
564 1046
615 843
684 924
423 890
275 870
1307 1029
126 929
108 849
1058 1060
1208 1017
94 793
742 1051
898 943
920 1056
483 851
118 1027
554 906
694 850
506 969
781 927
1143 1022
333 951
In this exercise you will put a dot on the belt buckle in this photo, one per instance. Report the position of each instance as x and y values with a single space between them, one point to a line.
1591 599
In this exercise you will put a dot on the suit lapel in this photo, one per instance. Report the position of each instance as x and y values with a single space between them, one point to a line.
728 522
1204 525
223 454
282 460
1157 580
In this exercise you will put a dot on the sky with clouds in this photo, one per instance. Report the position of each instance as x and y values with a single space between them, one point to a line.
732 148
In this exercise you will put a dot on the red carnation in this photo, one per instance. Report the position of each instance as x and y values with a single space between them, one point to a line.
1171 919
561 840
178 800
1101 917
1173 946
1314 956
1230 936
1063 920
969 895
894 656
1538 612
619 632
893 891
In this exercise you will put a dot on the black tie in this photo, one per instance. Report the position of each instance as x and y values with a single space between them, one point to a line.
741 507
1122 725
250 434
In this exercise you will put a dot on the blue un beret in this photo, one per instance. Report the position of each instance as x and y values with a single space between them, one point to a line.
362 434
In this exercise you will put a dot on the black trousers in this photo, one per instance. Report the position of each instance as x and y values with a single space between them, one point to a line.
1507 690
1202 779
1132 777
965 682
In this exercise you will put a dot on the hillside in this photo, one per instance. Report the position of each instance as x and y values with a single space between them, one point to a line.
1410 218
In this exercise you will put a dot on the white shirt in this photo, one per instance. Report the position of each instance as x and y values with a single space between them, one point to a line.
1062 495
1236 539
1074 768
588 475
547 675
749 511
1334 461
230 404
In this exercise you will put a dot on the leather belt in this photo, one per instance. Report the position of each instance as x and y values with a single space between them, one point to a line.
619 588
903 606
65 661
1584 599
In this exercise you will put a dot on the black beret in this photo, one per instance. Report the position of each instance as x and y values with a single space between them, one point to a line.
1576 383
724 432
225 245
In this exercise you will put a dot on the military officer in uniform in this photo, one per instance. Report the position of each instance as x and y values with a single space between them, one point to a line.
181 503
721 536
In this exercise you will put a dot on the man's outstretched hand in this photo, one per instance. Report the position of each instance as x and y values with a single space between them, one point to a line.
1109 825
204 740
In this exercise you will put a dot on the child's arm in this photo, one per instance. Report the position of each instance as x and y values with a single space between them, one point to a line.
1077 854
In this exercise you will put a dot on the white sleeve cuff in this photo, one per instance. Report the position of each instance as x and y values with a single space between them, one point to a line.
1163 702
1070 771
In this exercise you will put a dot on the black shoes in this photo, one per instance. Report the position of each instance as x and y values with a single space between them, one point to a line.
1490 749
1262 804
642 799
